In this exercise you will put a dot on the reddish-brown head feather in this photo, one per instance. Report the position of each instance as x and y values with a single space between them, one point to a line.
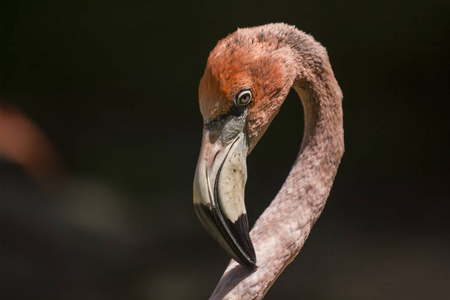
254 59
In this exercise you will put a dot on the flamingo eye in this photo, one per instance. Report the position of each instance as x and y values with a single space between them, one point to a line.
244 97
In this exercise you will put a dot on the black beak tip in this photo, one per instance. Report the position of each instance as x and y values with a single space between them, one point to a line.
249 262
238 238
235 234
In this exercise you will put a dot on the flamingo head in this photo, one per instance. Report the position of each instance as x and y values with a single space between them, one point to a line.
247 77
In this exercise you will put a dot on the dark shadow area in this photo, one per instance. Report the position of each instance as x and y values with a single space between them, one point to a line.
231 279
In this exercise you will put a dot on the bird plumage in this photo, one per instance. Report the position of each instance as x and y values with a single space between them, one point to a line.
269 60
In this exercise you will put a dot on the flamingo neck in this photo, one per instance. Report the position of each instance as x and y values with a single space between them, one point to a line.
281 231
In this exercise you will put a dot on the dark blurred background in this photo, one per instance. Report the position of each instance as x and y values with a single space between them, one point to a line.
103 95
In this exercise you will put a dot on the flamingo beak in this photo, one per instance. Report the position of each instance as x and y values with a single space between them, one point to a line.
219 187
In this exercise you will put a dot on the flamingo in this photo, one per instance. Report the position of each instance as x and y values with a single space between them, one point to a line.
247 77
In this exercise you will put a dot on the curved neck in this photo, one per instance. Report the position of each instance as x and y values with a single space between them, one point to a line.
282 229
